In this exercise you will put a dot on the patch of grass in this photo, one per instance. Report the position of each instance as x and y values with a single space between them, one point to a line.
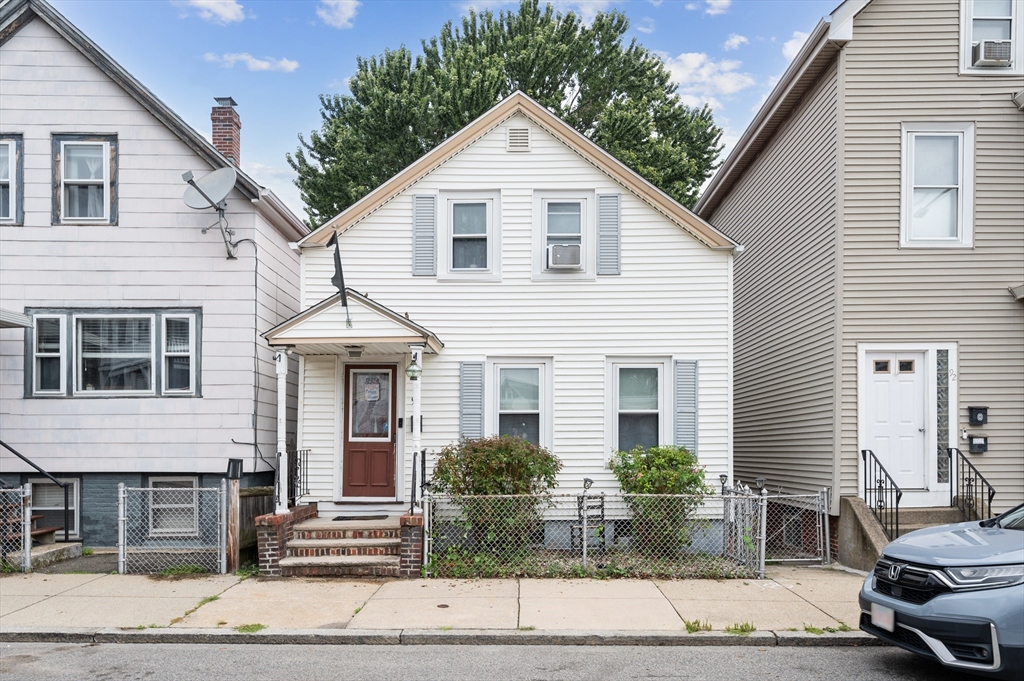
221 623
250 628
446 628
86 551
247 571
813 630
527 628
693 626
187 569
741 629
208 599
844 627
791 629
357 610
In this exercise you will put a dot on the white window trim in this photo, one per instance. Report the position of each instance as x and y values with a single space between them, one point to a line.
446 234
12 180
72 501
588 235
492 384
176 532
665 386
64 217
967 43
164 354
938 491
79 390
965 226
63 355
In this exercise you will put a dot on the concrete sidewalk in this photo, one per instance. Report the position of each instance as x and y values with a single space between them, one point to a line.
805 605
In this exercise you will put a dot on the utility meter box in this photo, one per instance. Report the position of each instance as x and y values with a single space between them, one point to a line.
979 443
978 416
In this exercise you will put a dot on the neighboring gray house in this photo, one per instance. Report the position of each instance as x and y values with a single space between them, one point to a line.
144 363
879 195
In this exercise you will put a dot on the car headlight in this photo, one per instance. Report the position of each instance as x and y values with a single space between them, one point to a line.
986 577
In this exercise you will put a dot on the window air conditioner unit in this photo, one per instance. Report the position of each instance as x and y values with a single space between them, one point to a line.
564 257
993 53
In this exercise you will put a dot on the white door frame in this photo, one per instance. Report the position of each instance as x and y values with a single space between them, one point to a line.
343 363
937 493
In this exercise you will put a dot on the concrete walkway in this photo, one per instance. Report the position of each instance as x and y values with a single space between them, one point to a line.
809 601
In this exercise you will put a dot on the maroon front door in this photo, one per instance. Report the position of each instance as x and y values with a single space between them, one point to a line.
369 452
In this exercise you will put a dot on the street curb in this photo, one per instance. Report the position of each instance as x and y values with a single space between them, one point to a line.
422 637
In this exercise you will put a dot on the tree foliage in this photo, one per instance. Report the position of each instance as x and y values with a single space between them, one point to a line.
400 107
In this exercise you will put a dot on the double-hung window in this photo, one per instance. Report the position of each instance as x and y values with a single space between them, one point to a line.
563 232
173 506
638 415
11 166
522 399
470 235
470 242
991 37
938 185
85 179
135 352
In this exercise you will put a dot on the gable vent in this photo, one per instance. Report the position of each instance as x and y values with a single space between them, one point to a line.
518 139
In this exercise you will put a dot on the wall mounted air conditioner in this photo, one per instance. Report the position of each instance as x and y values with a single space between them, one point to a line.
993 53
564 257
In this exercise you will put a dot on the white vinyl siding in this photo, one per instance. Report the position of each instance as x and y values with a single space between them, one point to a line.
938 185
991 20
174 506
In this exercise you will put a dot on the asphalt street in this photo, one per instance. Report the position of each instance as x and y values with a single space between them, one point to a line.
127 662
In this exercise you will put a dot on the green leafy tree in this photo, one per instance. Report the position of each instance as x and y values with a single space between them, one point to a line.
401 106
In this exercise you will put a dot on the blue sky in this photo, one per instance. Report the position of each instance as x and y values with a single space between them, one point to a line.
276 57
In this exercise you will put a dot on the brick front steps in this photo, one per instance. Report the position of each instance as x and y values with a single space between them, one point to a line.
344 548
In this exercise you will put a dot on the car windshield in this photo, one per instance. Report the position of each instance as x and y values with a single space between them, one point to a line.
1013 519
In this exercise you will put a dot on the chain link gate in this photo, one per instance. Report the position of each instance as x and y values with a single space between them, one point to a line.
796 528
172 530
16 529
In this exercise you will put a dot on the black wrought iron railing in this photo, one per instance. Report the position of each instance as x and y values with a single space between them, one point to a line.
881 494
66 486
970 491
298 475
419 484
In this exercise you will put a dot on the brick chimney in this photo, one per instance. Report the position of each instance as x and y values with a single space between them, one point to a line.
227 129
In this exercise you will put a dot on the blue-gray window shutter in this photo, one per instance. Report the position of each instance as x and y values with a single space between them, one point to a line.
609 234
424 235
471 399
686 404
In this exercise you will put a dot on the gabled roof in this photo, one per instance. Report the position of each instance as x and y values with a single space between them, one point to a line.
520 104
322 328
820 48
15 14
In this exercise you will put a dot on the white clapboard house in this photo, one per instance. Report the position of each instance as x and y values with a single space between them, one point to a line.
142 362
542 288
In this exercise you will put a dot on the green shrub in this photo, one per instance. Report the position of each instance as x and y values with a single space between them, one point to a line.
660 526
494 465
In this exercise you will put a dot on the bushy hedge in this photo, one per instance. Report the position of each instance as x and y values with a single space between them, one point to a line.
501 464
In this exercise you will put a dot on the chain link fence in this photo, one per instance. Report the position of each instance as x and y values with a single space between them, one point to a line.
172 529
16 529
621 535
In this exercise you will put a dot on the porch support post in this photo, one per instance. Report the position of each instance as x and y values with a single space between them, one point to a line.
281 491
417 410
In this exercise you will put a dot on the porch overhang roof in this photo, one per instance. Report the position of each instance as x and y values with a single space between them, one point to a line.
1018 292
323 329
14 320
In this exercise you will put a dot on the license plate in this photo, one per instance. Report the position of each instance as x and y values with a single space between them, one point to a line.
883 617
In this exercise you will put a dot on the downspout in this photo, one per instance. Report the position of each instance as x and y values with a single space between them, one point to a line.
281 364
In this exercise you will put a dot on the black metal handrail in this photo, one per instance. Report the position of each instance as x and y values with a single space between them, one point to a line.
66 486
970 491
298 475
422 485
881 494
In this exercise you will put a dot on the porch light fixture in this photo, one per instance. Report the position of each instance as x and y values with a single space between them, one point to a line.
414 370
724 478
234 469
587 483
354 351
760 483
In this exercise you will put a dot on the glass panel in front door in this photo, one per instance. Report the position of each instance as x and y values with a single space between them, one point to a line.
370 405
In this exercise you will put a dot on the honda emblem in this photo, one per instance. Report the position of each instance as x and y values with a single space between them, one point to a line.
894 571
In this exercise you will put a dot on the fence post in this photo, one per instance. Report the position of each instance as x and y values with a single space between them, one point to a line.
234 517
584 534
26 528
828 531
427 530
762 531
121 551
222 526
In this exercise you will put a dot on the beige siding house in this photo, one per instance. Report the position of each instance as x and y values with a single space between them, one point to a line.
879 197
142 362
545 290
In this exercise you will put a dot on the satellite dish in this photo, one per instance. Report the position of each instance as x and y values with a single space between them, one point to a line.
210 191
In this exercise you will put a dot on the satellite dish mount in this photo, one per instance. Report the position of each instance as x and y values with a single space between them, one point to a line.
211 192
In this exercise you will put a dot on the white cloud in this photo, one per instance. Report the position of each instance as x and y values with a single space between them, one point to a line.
791 47
702 80
646 25
692 6
218 11
656 3
251 62
717 6
734 41
338 13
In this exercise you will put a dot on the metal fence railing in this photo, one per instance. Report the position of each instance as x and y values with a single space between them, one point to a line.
172 530
611 535
16 529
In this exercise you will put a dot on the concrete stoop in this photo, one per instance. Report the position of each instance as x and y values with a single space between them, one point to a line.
47 554
861 538
343 548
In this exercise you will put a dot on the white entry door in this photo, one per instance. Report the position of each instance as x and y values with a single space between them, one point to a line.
896 424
